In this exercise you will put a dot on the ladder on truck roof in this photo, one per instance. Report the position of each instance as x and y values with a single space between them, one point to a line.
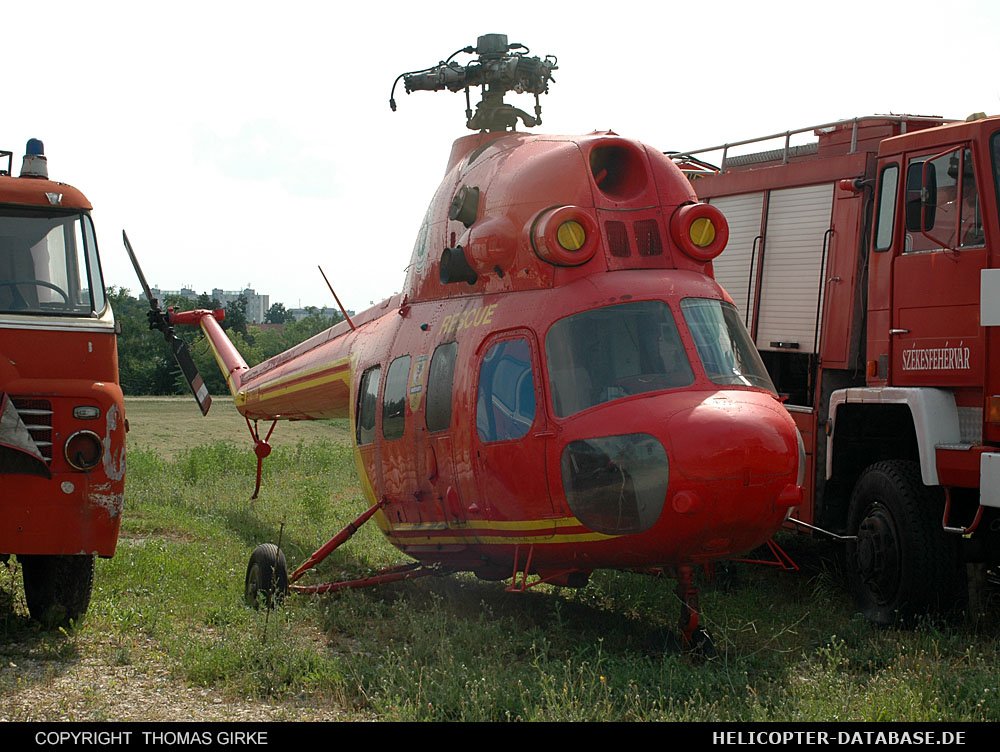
690 166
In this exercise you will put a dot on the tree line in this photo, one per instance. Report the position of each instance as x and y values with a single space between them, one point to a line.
147 366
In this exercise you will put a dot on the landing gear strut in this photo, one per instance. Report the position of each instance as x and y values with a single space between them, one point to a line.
267 574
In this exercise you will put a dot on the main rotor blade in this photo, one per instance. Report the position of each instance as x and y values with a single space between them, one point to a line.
142 278
183 356
160 320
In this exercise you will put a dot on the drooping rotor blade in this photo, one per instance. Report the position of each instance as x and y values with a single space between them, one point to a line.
138 271
183 356
160 320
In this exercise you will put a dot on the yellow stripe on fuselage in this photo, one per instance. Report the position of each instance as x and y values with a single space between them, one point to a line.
400 533
326 373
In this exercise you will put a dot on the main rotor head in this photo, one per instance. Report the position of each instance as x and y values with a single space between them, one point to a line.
498 70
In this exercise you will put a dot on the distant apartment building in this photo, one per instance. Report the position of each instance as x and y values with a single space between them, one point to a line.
257 305
301 313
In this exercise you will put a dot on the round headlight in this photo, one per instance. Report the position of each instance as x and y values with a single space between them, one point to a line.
83 450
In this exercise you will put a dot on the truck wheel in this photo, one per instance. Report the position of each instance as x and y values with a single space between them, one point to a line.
57 588
903 564
267 576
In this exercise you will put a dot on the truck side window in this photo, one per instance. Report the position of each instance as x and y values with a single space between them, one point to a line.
367 401
995 152
886 207
394 399
505 401
942 203
439 386
970 222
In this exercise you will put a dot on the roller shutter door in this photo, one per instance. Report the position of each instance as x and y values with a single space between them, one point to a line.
797 220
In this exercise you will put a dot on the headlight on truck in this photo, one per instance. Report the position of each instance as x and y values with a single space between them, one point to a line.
83 450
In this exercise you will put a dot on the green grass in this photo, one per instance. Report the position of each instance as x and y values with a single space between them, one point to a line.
788 645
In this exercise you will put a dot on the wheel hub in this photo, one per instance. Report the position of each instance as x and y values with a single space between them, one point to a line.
878 554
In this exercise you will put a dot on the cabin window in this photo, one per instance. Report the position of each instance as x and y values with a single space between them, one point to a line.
505 401
439 386
724 346
394 399
608 353
367 404
886 207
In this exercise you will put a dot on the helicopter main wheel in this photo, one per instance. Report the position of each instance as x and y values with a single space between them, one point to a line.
267 576
902 564
57 588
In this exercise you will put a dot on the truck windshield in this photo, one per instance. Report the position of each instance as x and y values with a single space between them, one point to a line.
723 343
613 352
49 264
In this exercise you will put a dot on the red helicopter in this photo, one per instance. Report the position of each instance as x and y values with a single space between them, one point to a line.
560 387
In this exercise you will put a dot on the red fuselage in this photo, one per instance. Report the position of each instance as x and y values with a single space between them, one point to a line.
560 374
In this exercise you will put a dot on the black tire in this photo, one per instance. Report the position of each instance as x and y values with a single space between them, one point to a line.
57 588
903 563
267 576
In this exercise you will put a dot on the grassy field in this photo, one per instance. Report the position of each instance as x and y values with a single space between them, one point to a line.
789 645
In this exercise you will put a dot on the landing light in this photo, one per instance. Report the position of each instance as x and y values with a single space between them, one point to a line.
571 235
564 236
700 230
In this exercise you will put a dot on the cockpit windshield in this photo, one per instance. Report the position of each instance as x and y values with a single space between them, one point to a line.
49 264
724 346
608 353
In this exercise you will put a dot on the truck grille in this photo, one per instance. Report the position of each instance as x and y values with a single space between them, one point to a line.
36 415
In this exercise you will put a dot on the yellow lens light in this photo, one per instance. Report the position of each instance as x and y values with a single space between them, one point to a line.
702 232
571 235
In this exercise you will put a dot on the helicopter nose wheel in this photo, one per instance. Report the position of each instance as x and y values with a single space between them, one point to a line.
692 638
267 576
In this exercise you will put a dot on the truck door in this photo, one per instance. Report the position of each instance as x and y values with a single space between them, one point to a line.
935 337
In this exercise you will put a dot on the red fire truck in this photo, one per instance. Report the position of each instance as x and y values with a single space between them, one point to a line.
866 265
62 432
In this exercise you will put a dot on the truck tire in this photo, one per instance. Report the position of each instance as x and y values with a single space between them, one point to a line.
902 564
57 588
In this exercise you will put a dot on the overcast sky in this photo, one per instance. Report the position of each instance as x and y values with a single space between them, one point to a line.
243 143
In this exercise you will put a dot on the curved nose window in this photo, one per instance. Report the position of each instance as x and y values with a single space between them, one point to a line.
505 401
607 353
616 485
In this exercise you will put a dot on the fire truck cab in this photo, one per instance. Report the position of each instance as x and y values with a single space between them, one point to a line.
62 428
866 265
